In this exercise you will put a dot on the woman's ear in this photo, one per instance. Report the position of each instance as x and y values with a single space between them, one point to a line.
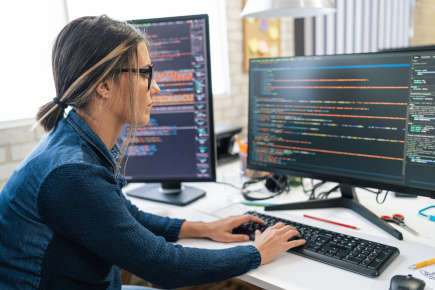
104 89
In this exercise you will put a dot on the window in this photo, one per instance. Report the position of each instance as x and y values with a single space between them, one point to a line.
30 32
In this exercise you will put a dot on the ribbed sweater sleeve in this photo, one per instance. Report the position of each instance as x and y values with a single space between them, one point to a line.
160 226
82 203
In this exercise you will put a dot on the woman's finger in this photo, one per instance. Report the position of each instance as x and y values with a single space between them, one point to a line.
238 220
296 243
286 228
278 225
238 238
291 234
257 220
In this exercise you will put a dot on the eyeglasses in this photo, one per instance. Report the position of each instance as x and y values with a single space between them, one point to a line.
148 71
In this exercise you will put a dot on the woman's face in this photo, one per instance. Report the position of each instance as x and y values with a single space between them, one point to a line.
144 103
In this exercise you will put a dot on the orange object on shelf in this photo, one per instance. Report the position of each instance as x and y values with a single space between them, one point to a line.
243 147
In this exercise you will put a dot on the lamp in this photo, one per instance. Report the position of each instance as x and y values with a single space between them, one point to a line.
287 8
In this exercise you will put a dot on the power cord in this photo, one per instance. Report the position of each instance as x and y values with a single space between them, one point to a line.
247 196
325 194
307 190
385 197
378 193
314 188
312 195
229 184
373 191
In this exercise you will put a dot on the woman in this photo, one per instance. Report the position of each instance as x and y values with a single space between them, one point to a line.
64 221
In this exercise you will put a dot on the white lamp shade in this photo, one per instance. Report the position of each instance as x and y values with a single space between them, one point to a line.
287 8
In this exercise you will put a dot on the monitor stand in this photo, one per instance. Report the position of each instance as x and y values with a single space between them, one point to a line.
348 200
171 192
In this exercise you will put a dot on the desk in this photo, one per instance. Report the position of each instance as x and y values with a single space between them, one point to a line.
290 271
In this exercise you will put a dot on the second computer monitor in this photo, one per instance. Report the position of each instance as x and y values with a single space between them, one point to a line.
361 119
178 143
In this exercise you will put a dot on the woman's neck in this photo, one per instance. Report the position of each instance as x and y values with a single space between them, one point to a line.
104 125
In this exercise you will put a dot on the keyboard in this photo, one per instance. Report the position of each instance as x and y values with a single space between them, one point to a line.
350 253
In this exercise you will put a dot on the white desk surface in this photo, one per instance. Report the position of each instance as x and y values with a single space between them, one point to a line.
290 271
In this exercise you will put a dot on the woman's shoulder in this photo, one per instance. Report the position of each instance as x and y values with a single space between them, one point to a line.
57 154
76 170
69 181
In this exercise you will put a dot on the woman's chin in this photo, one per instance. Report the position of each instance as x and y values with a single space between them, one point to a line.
143 121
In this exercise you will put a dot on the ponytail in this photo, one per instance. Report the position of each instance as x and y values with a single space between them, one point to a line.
50 113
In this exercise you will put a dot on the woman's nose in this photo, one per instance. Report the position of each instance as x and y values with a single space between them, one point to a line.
155 89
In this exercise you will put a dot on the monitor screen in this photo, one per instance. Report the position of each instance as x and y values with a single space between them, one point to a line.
178 142
361 119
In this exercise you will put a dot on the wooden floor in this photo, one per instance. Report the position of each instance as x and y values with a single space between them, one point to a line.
230 284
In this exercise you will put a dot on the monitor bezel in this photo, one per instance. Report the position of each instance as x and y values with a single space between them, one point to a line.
298 172
210 96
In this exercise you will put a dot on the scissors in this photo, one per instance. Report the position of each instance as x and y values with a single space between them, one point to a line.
399 219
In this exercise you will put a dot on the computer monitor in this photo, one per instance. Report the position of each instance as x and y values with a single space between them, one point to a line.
178 144
363 120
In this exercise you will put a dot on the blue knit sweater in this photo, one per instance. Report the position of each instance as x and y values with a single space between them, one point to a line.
65 224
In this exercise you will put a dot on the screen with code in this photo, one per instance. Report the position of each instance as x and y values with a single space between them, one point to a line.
362 116
177 144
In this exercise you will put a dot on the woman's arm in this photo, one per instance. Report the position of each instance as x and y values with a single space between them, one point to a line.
81 203
161 226
220 230
193 230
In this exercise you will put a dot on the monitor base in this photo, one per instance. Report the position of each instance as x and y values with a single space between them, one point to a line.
348 200
183 195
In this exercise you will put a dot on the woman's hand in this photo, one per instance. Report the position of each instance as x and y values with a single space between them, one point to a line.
221 230
274 241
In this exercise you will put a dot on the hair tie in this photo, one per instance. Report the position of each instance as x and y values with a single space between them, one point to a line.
59 103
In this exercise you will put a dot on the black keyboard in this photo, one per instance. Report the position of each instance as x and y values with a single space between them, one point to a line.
343 251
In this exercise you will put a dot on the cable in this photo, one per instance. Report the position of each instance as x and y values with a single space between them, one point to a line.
313 190
303 186
247 196
373 191
385 197
229 184
325 194
322 195
246 193
378 193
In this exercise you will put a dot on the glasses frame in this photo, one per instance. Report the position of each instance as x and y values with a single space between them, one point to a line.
148 70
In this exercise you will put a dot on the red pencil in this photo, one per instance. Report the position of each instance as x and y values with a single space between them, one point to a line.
331 222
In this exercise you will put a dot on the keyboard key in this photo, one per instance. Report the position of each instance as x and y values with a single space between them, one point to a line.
354 260
375 264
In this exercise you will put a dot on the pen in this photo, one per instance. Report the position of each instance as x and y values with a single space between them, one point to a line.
248 203
331 222
422 264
